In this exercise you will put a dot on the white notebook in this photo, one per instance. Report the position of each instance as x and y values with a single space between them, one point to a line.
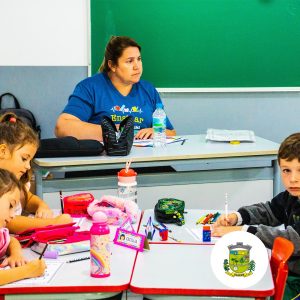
223 135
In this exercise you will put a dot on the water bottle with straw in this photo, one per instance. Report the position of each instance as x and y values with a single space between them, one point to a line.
127 185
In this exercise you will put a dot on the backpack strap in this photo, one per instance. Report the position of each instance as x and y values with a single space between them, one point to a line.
16 102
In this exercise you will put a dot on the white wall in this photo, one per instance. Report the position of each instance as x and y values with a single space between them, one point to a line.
43 33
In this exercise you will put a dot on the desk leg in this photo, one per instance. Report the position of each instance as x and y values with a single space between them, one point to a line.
276 180
38 183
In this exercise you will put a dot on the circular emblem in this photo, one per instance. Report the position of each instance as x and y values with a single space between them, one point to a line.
239 259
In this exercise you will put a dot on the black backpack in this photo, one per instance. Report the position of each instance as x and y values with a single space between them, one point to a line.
24 114
118 142
170 210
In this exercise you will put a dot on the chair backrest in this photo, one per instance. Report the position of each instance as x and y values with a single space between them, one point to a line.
281 252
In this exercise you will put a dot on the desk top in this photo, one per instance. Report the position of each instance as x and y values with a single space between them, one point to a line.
75 277
195 147
186 270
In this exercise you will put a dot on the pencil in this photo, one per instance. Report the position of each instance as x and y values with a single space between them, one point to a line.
43 251
78 259
61 202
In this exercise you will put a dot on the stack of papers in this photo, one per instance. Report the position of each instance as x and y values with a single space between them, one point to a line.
223 135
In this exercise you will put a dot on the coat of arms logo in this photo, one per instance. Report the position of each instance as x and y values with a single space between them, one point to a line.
239 263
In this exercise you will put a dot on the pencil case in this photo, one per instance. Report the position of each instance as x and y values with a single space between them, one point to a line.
61 239
76 205
170 210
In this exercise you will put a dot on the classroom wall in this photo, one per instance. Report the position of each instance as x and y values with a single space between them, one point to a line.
45 52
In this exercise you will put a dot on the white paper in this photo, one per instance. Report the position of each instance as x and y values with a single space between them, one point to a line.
52 268
223 135
149 142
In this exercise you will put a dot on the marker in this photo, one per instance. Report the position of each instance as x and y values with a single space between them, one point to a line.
201 219
206 219
78 259
215 217
41 255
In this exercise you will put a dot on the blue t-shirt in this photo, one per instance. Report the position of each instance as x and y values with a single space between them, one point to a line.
96 96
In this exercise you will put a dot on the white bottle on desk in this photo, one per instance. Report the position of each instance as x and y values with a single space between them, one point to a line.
159 126
127 185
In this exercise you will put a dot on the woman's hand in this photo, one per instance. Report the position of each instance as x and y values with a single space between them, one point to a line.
144 134
44 212
231 220
221 230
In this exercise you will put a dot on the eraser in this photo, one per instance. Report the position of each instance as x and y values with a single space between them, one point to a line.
51 254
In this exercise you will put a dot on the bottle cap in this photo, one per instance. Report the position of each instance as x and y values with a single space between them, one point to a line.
127 177
206 227
99 217
129 173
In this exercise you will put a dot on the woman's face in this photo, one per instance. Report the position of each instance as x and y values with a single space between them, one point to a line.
129 68
8 203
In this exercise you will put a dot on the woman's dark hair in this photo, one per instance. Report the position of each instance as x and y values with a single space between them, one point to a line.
8 182
114 50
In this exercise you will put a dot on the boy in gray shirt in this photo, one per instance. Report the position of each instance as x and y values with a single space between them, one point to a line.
284 209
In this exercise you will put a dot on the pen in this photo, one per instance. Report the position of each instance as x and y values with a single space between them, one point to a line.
41 255
78 259
61 202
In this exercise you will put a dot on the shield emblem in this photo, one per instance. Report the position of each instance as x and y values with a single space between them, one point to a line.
239 260
239 257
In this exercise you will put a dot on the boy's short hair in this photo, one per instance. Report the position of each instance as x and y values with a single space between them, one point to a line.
290 148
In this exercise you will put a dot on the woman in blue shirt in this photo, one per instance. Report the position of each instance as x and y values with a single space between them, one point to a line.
116 92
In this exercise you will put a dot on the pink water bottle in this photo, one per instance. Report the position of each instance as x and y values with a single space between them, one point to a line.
100 248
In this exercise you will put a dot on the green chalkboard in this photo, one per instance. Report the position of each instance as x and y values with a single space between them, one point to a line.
205 43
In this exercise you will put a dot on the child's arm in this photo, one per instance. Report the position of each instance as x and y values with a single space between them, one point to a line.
21 223
15 257
231 220
37 206
225 224
221 230
32 269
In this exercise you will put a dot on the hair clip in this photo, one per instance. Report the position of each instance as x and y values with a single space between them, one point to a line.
12 120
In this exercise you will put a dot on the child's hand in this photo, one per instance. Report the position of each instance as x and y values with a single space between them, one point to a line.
44 212
221 230
14 260
63 219
35 268
231 220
